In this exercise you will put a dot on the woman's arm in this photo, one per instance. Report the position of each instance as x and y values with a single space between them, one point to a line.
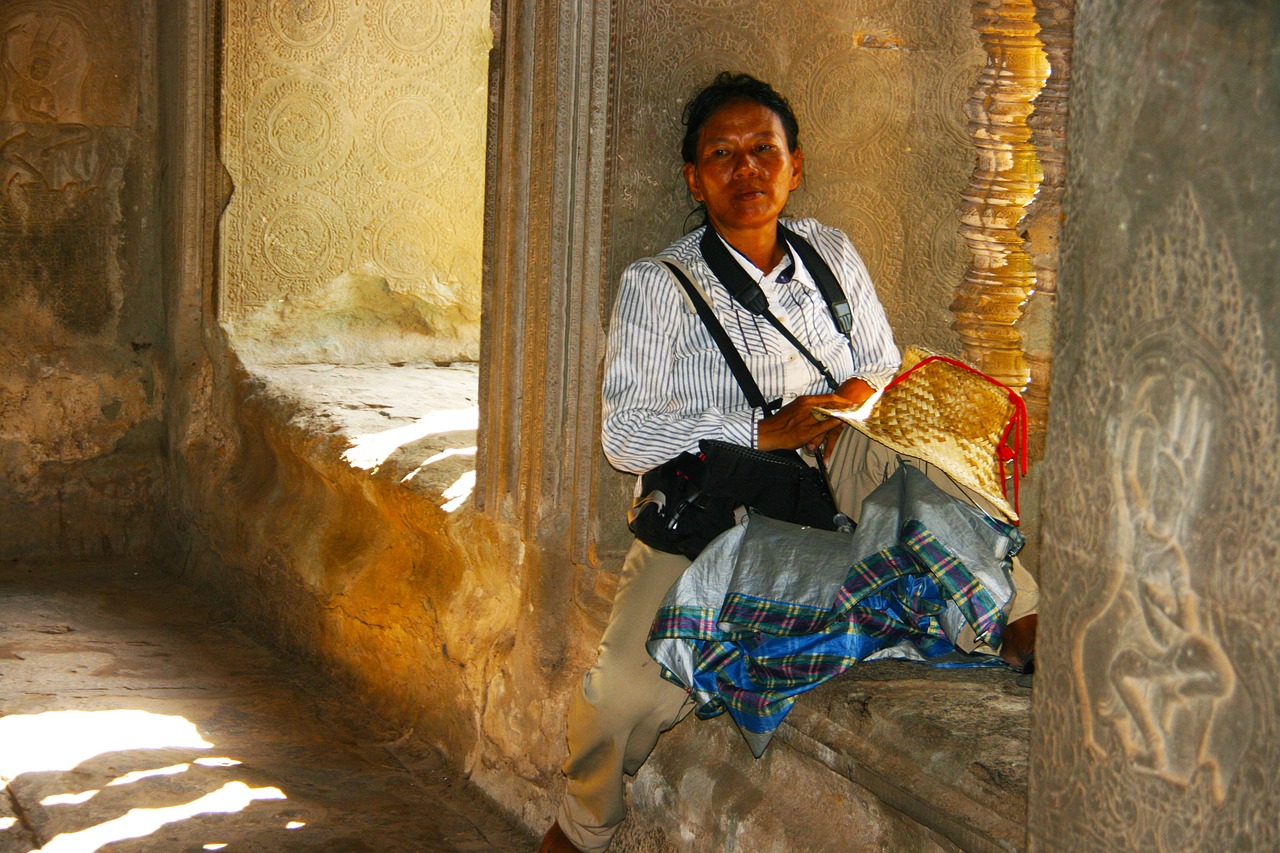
875 355
647 418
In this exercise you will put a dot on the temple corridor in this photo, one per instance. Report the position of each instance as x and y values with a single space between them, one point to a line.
130 710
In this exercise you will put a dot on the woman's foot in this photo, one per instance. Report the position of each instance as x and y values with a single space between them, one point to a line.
555 841
1019 646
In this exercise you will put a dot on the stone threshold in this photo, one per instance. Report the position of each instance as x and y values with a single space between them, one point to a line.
414 424
946 748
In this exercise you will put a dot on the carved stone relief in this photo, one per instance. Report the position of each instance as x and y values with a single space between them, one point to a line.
68 102
45 63
80 305
354 133
1167 729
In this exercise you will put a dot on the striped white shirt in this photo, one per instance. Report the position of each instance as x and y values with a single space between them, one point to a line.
666 384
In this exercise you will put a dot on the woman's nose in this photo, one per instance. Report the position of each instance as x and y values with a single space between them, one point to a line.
744 164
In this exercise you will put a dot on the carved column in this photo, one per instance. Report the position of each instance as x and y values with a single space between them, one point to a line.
1040 227
541 340
1001 274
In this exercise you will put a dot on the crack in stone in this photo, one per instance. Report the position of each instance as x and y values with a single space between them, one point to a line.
24 820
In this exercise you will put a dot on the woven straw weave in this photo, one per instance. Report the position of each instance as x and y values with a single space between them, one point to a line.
948 417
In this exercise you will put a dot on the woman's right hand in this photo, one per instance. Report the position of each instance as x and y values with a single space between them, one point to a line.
794 425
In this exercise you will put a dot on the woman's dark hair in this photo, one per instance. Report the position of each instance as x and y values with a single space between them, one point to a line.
725 89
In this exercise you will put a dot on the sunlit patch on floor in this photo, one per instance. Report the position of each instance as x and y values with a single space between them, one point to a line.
372 449
137 823
60 741
134 776
69 799
216 762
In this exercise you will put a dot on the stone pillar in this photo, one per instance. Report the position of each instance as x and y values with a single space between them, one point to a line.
1158 684
1043 221
1001 274
196 187
545 231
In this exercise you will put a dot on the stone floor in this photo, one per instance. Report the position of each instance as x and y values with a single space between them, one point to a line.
133 718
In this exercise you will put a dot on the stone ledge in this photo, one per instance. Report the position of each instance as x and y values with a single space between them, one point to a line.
947 747
413 423
888 756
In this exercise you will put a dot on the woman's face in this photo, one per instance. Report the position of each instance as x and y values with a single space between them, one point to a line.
743 171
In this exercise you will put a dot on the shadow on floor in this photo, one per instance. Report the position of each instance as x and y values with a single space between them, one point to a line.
133 719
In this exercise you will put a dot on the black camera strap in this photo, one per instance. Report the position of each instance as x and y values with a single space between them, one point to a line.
737 366
748 294
837 304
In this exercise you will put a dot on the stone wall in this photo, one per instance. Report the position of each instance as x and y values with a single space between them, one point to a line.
1155 711
81 313
354 134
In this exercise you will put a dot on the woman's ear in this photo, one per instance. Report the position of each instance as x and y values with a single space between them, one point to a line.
691 179
797 167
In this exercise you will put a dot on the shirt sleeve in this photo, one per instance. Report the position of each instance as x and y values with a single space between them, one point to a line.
875 355
650 413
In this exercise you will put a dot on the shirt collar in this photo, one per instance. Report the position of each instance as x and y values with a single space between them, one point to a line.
789 269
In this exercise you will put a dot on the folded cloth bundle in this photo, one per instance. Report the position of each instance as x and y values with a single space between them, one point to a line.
770 610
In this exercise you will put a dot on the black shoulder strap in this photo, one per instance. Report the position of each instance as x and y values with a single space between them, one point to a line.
837 304
737 366
747 292
741 286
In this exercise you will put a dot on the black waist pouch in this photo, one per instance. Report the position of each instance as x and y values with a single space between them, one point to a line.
690 500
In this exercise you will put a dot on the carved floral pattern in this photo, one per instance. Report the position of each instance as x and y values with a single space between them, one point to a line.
354 134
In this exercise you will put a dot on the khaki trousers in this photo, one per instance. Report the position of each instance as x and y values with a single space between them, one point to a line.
623 703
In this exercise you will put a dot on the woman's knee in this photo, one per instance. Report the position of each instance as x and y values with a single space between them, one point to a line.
624 685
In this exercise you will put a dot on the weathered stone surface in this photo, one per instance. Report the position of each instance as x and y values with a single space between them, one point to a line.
702 790
416 604
355 320
80 312
354 133
1156 712
14 835
889 756
124 691
946 747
